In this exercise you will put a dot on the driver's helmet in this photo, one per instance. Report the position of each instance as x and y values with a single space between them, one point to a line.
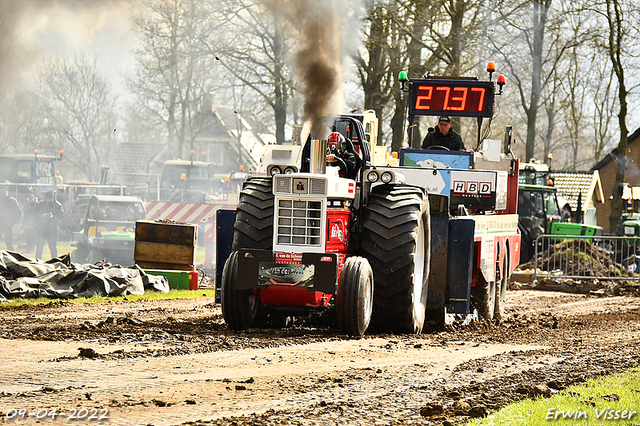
337 143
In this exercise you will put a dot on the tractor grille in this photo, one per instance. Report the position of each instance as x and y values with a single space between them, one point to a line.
283 185
299 222
318 187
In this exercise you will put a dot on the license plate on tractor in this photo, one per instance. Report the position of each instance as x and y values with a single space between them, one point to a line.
291 275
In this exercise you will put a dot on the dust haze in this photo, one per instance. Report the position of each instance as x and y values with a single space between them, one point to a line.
32 31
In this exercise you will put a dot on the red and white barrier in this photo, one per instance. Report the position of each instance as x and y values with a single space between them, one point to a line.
203 215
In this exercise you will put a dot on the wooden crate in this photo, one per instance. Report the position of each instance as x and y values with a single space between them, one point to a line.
165 245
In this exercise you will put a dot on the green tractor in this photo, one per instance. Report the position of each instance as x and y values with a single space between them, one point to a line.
629 225
540 213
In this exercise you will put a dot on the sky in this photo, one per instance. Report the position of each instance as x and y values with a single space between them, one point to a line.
45 29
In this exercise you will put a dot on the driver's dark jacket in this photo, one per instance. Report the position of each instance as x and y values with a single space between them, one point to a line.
451 140
352 165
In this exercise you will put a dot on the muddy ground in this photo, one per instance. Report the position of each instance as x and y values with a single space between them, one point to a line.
175 362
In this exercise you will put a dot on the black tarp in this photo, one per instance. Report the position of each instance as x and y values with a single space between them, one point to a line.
22 277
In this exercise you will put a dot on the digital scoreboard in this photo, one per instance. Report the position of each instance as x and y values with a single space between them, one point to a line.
460 98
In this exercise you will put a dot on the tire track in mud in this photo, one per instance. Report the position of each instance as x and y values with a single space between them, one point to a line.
173 362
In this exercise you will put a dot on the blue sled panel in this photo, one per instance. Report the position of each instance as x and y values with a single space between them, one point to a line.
460 265
437 292
225 219
435 158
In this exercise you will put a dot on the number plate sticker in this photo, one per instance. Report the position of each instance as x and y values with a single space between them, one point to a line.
285 274
629 230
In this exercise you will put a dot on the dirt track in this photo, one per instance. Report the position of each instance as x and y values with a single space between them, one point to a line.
175 362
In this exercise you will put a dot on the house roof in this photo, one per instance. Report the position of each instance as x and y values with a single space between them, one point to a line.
614 154
133 157
570 184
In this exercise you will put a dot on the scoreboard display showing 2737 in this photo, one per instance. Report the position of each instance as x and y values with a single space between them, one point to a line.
460 97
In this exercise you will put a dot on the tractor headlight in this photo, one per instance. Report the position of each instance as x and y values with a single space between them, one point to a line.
387 177
372 176
275 170
289 170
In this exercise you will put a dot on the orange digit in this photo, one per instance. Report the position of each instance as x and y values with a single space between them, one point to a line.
426 97
446 90
481 102
462 98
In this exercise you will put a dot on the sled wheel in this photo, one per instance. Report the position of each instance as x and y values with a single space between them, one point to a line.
239 307
95 256
526 245
396 240
483 298
501 292
437 315
253 228
79 255
354 301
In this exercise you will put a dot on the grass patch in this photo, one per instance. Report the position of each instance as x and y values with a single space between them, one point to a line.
148 295
596 402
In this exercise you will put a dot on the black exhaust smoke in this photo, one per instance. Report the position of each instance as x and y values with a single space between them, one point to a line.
318 60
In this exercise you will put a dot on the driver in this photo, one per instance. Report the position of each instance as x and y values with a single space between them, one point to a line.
443 136
340 157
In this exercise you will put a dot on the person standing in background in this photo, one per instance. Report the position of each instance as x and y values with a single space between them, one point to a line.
49 215
10 214
30 222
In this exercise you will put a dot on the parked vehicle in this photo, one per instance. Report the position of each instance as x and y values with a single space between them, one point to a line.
540 213
25 174
108 230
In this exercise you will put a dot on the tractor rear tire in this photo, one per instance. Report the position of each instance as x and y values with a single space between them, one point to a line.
526 246
354 301
483 298
396 239
254 216
239 307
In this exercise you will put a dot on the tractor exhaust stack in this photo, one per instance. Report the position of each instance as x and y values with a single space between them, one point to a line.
318 156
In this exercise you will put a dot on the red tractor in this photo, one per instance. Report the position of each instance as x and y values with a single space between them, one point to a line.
316 240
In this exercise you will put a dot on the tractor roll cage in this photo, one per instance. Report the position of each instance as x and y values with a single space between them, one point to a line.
353 132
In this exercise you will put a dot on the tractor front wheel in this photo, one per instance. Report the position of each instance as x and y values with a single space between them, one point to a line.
254 216
239 307
354 301
396 240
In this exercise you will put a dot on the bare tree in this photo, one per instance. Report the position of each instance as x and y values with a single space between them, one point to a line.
254 42
532 40
21 123
573 79
616 42
420 37
603 88
517 36
78 112
173 74
373 61
540 11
